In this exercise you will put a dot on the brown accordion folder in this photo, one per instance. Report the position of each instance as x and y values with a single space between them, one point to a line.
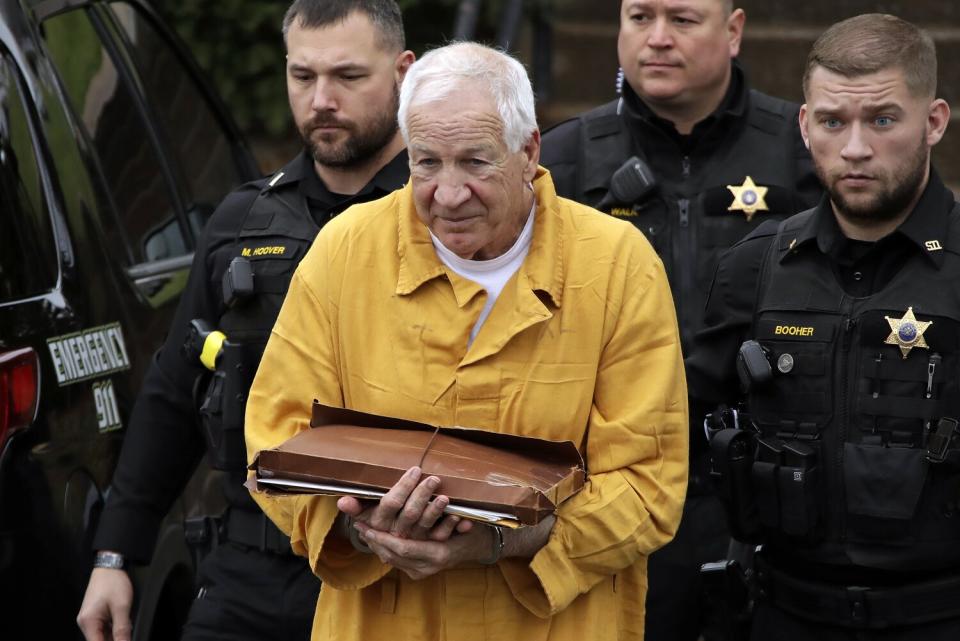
499 478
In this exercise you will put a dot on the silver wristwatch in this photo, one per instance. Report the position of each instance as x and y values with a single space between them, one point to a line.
496 547
110 560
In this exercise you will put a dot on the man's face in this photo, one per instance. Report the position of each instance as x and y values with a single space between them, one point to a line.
343 89
870 139
677 52
469 190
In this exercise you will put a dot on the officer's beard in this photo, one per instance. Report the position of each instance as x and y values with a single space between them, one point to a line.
903 185
363 141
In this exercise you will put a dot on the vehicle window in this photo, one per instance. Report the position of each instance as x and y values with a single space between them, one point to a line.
188 119
28 258
130 162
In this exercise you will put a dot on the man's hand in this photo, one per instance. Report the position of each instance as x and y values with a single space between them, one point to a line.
407 512
420 559
105 612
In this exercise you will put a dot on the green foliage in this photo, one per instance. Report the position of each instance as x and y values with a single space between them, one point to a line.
238 44
75 48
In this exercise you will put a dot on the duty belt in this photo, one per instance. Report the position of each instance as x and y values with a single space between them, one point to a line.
255 530
857 606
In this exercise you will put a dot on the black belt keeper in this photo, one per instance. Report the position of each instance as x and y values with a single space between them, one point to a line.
255 530
860 607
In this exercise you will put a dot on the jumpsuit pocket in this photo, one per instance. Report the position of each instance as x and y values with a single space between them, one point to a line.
883 488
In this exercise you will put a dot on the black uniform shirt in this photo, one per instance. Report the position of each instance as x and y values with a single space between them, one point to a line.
163 444
733 105
687 216
325 204
861 268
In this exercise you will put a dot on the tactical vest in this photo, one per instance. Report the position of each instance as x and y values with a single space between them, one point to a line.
274 237
688 220
841 472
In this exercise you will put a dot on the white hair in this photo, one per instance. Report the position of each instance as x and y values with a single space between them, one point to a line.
442 71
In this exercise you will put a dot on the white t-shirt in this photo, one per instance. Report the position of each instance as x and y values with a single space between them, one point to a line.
491 274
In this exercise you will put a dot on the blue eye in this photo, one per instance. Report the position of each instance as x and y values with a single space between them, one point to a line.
883 121
832 123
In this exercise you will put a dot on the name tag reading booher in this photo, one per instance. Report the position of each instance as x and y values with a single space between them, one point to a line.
498 478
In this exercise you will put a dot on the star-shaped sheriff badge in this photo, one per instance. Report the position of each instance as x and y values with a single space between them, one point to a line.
748 198
907 332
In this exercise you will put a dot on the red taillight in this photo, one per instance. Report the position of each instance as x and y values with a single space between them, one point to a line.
19 390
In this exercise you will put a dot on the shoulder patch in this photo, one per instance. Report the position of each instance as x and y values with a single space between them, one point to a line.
561 143
952 245
603 126
562 126
769 114
772 106
766 229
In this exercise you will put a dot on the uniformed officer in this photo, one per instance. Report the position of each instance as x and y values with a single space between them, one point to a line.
847 319
695 159
345 61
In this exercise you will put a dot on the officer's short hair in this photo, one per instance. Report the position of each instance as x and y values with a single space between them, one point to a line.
727 6
875 42
440 72
315 14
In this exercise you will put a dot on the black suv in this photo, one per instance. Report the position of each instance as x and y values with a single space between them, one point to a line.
113 152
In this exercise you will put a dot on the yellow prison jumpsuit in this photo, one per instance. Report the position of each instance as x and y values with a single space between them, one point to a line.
581 345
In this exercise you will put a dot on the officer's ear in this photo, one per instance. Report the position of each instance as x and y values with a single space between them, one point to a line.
735 31
401 64
938 117
803 125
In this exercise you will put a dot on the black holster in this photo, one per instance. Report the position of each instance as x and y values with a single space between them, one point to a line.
731 463
729 601
203 535
225 403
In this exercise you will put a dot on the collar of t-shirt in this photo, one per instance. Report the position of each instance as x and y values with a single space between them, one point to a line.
491 274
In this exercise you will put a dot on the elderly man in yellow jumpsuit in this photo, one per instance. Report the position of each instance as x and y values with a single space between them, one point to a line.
474 296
